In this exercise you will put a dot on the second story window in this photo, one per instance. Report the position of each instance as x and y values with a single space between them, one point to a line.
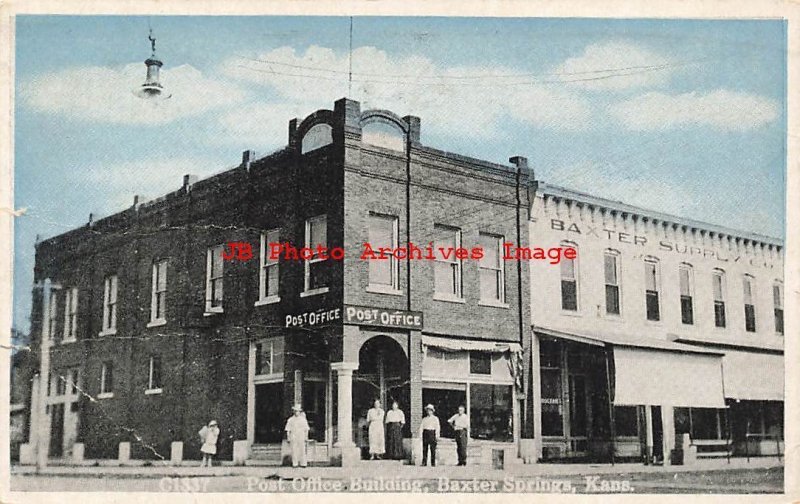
749 304
106 380
214 279
718 288
268 272
447 270
158 295
611 273
110 304
652 284
154 375
492 274
52 315
569 283
382 233
71 314
686 284
317 268
777 299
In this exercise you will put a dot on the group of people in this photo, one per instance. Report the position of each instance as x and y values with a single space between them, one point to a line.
385 434
429 431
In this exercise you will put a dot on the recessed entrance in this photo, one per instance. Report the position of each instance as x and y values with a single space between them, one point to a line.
269 413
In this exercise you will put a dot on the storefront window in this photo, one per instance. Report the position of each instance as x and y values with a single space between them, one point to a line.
480 363
626 421
490 412
552 414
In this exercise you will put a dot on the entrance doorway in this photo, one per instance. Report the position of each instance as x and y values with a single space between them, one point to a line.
269 413
56 430
382 374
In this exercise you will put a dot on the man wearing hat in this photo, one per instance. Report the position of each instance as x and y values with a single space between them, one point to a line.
297 434
429 431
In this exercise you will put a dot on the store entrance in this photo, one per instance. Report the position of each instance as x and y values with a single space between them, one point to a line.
270 420
383 375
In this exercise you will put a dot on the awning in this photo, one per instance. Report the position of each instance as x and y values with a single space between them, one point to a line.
648 376
753 376
653 371
457 345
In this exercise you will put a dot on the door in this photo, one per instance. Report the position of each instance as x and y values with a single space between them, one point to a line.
56 430
270 420
658 435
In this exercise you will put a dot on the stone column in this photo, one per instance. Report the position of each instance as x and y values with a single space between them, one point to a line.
414 412
668 427
251 394
344 447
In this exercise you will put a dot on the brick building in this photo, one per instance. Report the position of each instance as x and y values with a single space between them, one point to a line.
150 333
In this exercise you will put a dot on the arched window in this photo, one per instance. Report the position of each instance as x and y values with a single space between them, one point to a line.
686 279
652 286
569 280
748 287
777 299
317 136
384 134
718 288
612 281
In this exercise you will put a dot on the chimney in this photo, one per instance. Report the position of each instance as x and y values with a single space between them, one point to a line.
188 181
413 128
521 162
91 220
248 157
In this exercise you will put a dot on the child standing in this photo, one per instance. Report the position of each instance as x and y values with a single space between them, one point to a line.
209 435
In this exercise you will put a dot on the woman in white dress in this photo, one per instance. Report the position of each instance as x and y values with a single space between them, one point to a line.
209 435
377 443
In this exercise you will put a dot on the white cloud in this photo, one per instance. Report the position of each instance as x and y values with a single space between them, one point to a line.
471 101
615 66
105 94
720 109
149 178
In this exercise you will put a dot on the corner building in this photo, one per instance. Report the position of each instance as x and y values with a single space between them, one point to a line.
150 334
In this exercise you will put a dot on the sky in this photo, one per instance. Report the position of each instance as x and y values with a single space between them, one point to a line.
686 117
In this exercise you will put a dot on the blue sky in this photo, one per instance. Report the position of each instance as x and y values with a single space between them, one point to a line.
681 116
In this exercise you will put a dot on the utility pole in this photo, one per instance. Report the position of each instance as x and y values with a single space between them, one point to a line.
43 425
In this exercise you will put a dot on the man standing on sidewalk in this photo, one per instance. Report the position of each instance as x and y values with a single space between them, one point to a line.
460 423
429 430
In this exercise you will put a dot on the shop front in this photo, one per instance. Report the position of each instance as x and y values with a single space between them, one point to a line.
484 377
605 397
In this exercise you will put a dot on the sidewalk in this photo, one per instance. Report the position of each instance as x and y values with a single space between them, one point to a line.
379 469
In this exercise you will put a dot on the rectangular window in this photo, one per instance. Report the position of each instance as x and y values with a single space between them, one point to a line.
490 412
687 307
316 268
52 316
107 378
626 421
73 375
447 271
71 314
61 383
718 286
480 363
214 279
110 304
268 273
154 374
158 294
492 273
569 285
269 356
382 233
749 305
777 299
611 263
